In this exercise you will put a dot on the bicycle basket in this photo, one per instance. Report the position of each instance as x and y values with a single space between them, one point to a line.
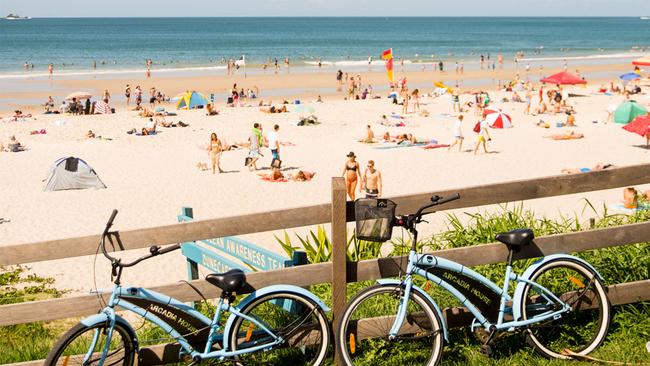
374 218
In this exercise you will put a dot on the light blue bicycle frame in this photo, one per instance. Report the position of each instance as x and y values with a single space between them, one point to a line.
118 299
418 265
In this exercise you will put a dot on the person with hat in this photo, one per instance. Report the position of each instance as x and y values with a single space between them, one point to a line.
351 173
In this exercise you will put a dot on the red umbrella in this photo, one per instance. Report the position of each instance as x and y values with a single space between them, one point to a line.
640 125
499 120
490 110
643 61
102 107
564 78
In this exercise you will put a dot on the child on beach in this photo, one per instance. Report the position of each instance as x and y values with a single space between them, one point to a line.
483 136
458 134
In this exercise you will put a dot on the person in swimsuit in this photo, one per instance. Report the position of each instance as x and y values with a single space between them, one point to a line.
127 94
372 181
455 99
215 152
351 172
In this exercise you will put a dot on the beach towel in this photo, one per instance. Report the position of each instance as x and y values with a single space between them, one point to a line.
396 146
434 146
621 208
268 179
150 134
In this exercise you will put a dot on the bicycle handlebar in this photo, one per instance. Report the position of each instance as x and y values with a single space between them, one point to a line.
435 201
153 251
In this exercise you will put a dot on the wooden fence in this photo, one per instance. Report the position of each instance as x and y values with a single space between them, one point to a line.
339 272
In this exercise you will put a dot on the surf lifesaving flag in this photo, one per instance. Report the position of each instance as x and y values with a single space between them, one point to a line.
388 56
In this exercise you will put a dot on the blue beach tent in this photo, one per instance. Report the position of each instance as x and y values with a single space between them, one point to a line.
191 100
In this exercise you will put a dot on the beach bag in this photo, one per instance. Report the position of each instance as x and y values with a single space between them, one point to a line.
276 163
477 127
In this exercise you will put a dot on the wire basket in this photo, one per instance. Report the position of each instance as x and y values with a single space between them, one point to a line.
374 218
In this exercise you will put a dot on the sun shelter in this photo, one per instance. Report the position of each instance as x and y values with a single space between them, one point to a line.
628 111
564 78
71 173
643 61
191 100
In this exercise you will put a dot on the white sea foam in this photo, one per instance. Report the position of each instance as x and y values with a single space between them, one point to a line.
64 73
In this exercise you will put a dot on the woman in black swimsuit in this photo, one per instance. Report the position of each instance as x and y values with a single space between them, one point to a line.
351 173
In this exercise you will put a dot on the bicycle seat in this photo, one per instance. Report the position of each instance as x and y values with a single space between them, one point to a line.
515 239
231 281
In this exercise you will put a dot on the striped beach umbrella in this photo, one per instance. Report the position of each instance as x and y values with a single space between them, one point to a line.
498 120
102 107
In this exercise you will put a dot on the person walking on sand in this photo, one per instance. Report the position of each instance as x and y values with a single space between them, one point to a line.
483 136
351 173
50 69
215 149
371 181
274 144
416 100
405 99
455 99
255 142
458 134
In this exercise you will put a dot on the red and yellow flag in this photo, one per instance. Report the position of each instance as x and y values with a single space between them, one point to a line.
388 56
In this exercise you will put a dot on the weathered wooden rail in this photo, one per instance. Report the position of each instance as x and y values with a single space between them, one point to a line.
339 272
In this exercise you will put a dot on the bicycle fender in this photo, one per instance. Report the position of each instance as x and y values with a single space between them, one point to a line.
423 294
271 289
103 318
517 298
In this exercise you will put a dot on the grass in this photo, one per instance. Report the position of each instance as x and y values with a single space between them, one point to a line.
629 330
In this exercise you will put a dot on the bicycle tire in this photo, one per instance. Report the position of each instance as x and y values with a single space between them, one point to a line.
306 332
583 329
422 323
66 347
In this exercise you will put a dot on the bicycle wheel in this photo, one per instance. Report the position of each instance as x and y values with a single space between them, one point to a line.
364 341
301 323
583 328
83 345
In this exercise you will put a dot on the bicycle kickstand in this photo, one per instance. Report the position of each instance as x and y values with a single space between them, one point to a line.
486 349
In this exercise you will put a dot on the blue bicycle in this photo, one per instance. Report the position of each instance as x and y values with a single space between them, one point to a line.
559 301
273 325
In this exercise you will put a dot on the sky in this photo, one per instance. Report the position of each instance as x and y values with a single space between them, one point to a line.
215 8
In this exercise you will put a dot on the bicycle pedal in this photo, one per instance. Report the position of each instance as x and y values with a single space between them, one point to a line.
486 350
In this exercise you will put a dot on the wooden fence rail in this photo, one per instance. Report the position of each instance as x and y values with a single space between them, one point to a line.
311 215
339 272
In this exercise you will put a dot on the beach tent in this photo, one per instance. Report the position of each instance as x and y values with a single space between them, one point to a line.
630 76
498 120
102 107
564 78
643 61
628 111
71 173
640 125
191 100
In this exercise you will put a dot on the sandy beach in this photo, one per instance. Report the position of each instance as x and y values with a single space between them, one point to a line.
149 178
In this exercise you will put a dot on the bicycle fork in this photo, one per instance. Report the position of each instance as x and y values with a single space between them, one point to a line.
402 308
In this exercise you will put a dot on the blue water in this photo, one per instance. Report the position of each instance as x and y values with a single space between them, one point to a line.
125 43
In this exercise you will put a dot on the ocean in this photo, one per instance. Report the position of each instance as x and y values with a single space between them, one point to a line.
123 44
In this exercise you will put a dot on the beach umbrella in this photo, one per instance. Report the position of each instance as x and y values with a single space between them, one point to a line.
102 107
79 95
643 61
305 109
192 100
564 78
640 125
440 84
630 76
490 110
498 120
628 111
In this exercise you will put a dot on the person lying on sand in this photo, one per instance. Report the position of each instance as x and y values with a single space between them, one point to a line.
542 108
632 197
597 167
388 138
151 125
303 176
405 139
90 134
145 112
275 175
567 136
274 109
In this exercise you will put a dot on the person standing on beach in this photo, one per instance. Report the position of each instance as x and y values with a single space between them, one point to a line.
405 99
256 141
455 99
371 181
106 96
483 136
351 173
138 95
50 69
416 100
127 94
274 144
215 149
152 97
500 60
339 79
458 134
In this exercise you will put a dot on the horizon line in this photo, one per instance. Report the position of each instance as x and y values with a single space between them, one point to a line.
338 16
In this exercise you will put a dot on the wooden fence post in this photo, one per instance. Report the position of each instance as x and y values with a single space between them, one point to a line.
339 256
